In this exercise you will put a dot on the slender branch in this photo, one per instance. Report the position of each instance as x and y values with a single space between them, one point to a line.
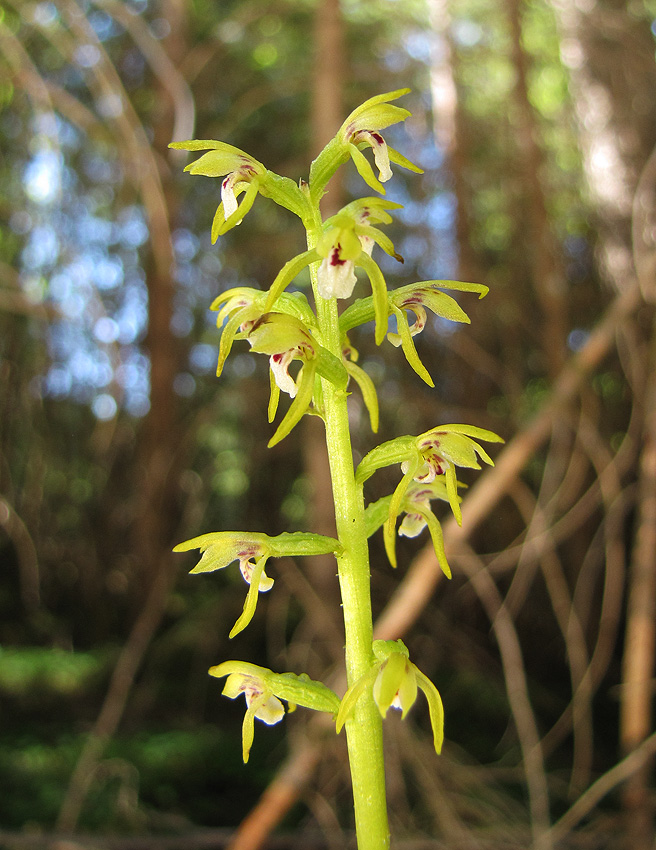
128 664
517 690
622 771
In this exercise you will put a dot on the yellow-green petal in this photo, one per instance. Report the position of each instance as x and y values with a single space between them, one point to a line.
352 695
299 406
388 681
435 708
389 531
437 537
379 293
365 170
368 390
250 602
248 731
408 346
452 491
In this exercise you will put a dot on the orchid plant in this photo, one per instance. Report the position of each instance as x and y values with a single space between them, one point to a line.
284 326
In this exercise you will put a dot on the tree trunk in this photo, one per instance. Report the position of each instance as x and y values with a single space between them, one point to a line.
640 640
546 266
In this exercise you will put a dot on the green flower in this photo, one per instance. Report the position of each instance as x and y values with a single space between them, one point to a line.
239 308
441 450
416 504
263 690
242 174
285 339
394 681
362 130
347 241
415 298
252 550
435 453
285 336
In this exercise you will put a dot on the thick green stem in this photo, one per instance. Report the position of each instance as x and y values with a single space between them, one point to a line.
364 727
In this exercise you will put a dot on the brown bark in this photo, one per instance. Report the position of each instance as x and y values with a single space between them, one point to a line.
159 438
640 641
450 133
327 89
609 56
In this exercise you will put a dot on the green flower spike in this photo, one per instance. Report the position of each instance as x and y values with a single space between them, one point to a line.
361 130
244 175
263 691
394 680
252 550
285 338
418 514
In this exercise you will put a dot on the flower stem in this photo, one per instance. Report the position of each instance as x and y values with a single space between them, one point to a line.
364 727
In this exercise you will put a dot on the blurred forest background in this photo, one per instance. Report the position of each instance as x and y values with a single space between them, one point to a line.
535 124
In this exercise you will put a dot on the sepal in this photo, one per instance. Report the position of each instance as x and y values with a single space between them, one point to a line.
299 406
379 296
368 391
287 274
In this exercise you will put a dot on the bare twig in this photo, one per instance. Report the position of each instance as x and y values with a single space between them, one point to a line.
604 785
517 690
110 715
28 561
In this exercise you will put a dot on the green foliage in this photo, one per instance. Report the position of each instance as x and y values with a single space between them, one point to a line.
37 673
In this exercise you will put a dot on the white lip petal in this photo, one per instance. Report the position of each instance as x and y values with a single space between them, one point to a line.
412 525
228 194
381 158
271 712
279 366
246 567
336 280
